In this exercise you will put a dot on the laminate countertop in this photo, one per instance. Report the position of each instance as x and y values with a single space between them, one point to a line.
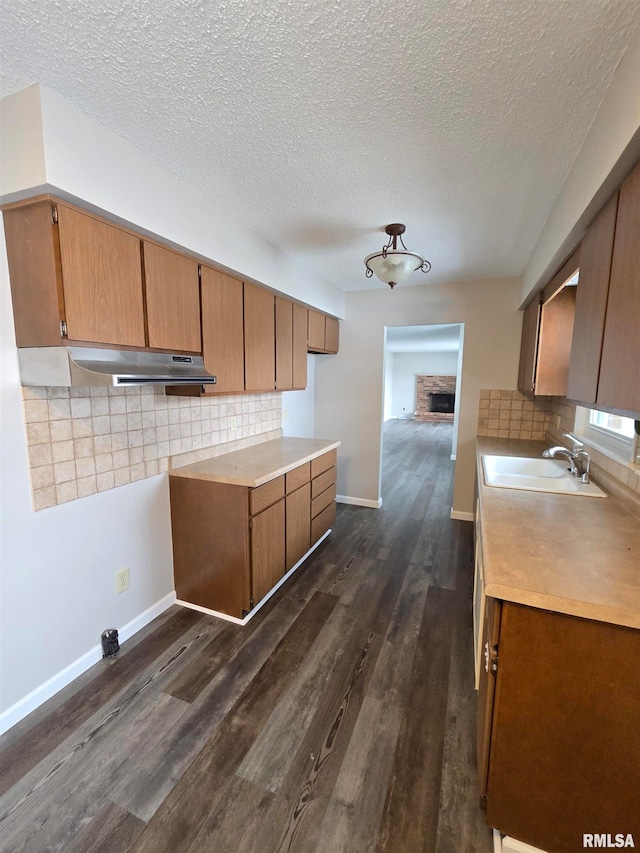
255 465
570 554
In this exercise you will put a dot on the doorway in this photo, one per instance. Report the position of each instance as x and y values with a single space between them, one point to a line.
422 377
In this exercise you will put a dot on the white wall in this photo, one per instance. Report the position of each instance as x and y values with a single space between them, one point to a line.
608 152
298 406
388 385
58 566
408 365
349 387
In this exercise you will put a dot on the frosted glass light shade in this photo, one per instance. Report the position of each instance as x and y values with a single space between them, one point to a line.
397 266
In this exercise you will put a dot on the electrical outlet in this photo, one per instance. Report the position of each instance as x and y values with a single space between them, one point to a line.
285 414
232 422
122 580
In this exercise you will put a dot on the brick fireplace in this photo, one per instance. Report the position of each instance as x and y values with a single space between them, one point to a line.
426 402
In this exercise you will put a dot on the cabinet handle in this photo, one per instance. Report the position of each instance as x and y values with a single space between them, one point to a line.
486 657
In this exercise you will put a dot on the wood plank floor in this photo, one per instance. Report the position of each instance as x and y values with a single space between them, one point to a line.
341 718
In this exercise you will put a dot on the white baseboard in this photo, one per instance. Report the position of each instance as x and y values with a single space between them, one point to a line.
457 515
45 691
345 499
511 845
262 601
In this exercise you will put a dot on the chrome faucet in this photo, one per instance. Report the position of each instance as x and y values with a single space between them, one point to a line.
577 452
552 452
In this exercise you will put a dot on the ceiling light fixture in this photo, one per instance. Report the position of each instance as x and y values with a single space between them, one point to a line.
393 265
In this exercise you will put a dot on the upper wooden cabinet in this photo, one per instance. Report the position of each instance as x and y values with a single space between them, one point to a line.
554 342
323 333
546 335
284 344
259 339
619 383
596 250
529 346
173 299
299 347
73 276
291 345
223 330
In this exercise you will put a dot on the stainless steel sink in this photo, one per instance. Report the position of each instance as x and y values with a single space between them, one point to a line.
535 475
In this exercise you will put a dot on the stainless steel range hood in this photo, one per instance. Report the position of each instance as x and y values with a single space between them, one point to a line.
73 366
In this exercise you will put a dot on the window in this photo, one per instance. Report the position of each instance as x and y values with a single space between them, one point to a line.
613 435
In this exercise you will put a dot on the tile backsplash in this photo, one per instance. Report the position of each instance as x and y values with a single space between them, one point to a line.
87 440
511 414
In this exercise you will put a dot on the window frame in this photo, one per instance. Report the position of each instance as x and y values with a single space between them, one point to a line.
618 447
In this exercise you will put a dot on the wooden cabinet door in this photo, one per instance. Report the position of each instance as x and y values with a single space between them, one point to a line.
331 334
596 252
528 347
298 524
619 385
172 292
223 330
284 344
565 752
300 346
267 550
102 280
554 343
486 688
315 340
259 339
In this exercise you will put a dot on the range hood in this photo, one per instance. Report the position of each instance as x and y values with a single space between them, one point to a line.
74 366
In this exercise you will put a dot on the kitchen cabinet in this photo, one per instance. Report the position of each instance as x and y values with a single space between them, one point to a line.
284 344
223 330
172 290
546 335
619 382
291 345
233 543
299 347
267 537
323 333
558 746
323 493
298 526
529 345
596 252
74 277
259 339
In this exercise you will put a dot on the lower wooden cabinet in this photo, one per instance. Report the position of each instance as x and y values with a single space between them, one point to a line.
232 544
558 737
298 514
267 549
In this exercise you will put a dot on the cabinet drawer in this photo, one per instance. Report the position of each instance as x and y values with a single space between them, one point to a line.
322 522
323 500
298 477
319 484
263 496
322 463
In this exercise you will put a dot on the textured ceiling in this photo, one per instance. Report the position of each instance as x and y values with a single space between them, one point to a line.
316 123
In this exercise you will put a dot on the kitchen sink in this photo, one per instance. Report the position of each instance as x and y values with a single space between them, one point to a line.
535 475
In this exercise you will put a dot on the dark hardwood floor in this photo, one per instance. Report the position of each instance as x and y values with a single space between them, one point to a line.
341 718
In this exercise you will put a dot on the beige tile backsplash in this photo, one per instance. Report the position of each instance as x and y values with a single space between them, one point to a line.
87 440
510 414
